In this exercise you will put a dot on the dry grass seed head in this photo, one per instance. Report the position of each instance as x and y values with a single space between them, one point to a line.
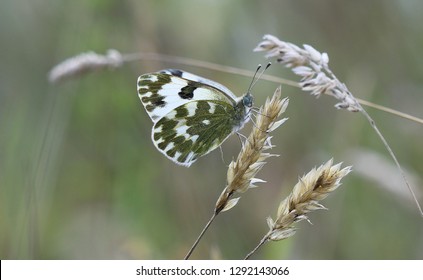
84 63
304 198
313 68
241 173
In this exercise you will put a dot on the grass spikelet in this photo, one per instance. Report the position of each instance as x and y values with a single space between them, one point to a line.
84 63
304 198
241 173
313 67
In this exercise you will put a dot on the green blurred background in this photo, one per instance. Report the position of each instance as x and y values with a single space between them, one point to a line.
81 179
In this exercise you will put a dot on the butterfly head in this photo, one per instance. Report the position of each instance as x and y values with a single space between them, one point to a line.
247 99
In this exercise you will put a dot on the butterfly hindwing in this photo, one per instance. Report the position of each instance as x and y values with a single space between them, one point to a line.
194 129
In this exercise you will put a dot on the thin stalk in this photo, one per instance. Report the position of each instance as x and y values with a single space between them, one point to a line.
200 236
84 63
391 153
261 243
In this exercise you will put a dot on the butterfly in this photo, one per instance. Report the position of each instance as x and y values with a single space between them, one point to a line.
192 115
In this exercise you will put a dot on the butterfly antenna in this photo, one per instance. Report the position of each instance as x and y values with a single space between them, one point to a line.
254 77
254 80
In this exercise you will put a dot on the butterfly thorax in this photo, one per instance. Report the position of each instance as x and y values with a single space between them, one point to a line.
242 111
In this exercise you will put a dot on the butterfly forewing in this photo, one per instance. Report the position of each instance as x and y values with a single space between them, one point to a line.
162 92
192 77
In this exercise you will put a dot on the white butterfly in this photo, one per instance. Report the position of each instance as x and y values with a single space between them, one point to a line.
192 115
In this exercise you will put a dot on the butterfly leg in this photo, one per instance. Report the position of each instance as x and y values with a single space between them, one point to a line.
242 138
254 120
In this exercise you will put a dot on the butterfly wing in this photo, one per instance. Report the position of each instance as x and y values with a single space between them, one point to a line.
163 91
195 129
192 77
